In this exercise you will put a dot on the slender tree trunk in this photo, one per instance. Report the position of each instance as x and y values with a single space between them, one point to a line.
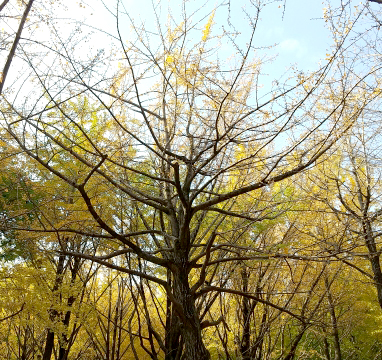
12 52
337 347
326 348
131 334
367 228
109 315
64 343
64 350
25 343
49 342
245 346
292 352
373 258
258 346
116 315
250 349
120 320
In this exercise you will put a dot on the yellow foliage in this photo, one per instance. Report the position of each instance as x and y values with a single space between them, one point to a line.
169 59
207 28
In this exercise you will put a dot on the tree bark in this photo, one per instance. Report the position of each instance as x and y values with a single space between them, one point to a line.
64 344
11 55
326 349
333 316
292 352
190 327
49 342
245 347
172 343
373 258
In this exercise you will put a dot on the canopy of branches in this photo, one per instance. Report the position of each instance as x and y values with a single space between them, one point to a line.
167 192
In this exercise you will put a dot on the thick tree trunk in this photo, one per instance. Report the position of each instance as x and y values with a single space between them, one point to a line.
172 330
172 340
49 343
190 327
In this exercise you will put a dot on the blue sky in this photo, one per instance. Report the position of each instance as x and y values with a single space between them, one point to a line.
300 33
297 31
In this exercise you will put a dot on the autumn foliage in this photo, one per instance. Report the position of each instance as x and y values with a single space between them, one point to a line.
163 197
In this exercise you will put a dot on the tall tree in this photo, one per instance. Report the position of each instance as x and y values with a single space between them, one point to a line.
180 140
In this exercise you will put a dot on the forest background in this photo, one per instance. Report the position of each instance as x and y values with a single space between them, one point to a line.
190 180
